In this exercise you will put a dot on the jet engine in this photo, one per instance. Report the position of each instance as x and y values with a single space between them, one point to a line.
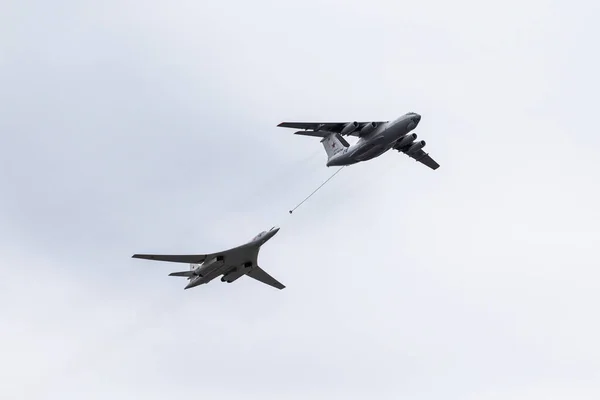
349 128
416 147
236 273
406 140
368 128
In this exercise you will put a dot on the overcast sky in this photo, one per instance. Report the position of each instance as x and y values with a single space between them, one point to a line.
146 127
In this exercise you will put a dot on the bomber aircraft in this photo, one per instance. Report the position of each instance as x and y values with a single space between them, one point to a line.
375 138
232 263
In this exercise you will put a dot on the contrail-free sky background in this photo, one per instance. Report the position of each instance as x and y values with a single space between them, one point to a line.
150 127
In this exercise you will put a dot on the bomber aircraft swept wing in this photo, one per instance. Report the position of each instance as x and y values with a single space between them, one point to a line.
323 129
260 275
187 259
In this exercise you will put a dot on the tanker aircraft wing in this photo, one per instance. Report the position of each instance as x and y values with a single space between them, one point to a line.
324 129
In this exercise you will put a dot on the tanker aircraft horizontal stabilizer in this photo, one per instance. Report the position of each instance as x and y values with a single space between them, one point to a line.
374 139
232 263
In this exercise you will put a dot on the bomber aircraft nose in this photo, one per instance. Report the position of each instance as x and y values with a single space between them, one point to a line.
272 232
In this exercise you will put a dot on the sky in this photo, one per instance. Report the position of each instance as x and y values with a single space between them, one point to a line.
146 127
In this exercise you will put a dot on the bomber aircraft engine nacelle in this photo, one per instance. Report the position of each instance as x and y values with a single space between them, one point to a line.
406 140
236 273
349 128
209 265
416 146
227 278
368 128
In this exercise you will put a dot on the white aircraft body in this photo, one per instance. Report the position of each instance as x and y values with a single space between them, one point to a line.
232 264
375 138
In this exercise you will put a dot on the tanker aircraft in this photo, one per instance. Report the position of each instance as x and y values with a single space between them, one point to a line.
375 138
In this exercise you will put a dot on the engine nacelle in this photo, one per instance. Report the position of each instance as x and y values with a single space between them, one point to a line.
349 128
209 266
368 128
237 273
416 146
406 140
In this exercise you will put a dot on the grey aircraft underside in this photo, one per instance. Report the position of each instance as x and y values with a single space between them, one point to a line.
375 138
232 264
